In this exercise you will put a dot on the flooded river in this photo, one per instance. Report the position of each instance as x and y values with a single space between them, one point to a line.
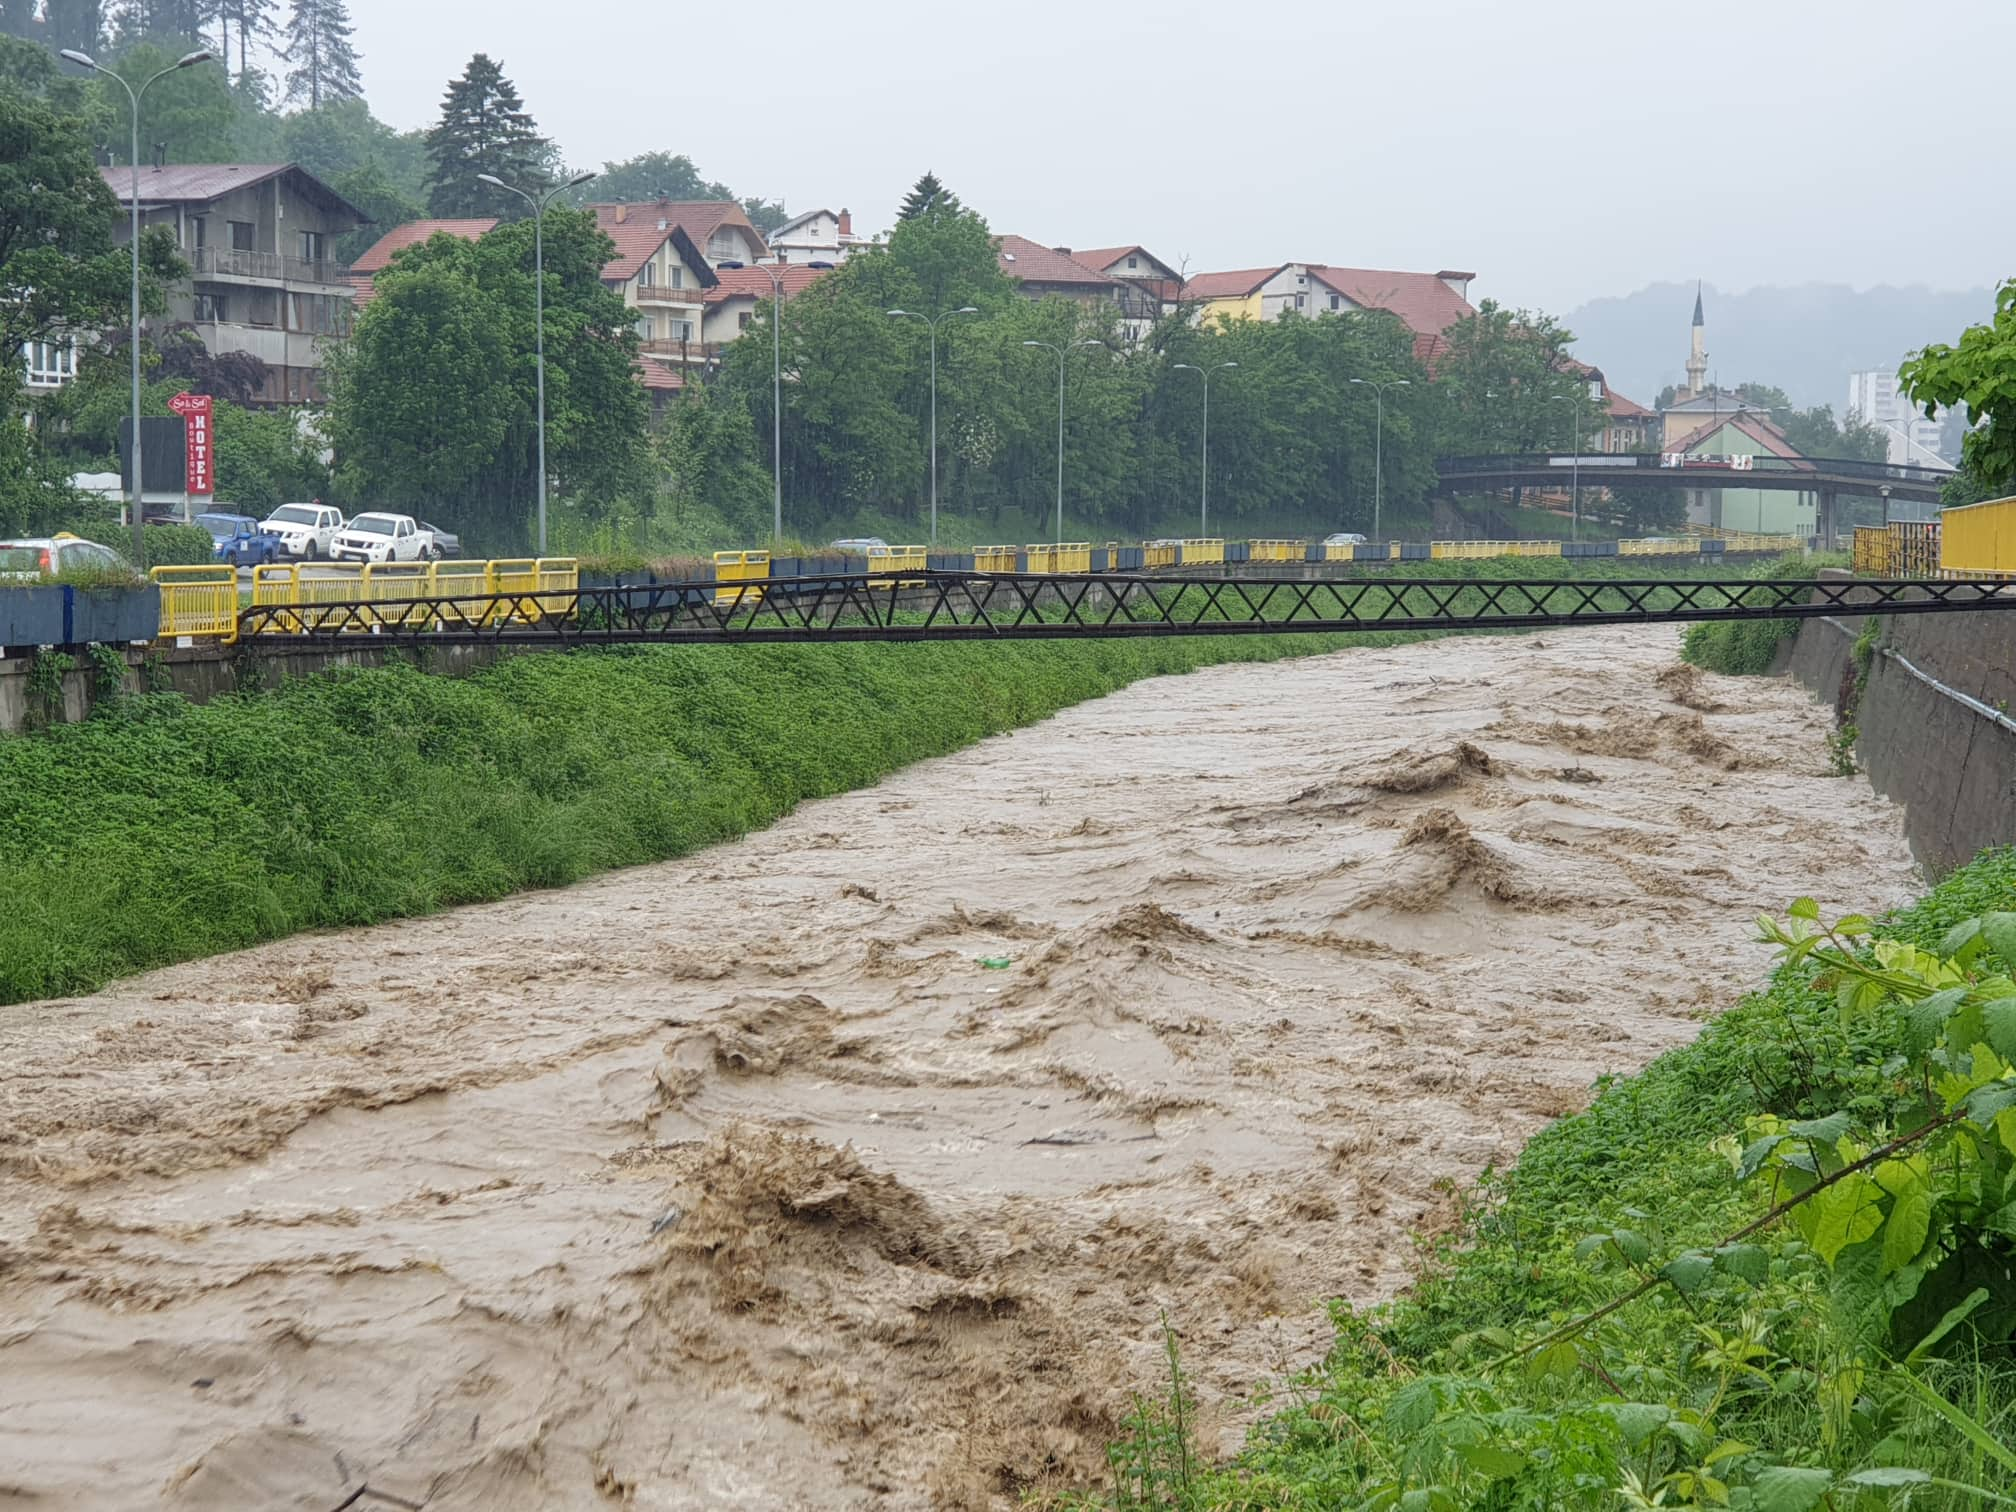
740 1181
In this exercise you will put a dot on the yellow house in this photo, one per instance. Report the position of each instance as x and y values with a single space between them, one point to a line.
1248 293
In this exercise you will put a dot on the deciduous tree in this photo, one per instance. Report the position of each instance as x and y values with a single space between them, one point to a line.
1979 373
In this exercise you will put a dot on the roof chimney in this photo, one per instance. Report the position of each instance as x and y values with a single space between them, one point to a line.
1061 251
846 223
622 213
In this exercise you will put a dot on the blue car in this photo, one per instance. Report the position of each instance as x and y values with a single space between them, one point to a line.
240 541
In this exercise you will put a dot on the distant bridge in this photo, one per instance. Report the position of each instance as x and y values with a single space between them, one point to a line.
1826 476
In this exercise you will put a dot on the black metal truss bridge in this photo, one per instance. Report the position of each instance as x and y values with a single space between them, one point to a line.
959 606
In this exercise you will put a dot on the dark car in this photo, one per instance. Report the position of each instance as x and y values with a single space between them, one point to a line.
240 541
440 543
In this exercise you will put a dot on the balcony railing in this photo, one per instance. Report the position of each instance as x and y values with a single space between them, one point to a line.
695 350
660 294
218 262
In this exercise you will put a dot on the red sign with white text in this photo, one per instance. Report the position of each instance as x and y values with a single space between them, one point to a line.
200 442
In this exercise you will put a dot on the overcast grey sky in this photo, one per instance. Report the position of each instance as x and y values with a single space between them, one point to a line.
1561 149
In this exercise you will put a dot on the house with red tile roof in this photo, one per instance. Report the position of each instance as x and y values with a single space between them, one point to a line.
262 281
720 229
731 303
1248 293
378 256
1058 273
1426 303
1731 436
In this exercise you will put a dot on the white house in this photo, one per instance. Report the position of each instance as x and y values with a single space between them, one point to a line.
817 236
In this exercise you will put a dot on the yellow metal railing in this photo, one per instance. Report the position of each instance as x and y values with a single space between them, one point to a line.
1203 551
198 602
892 559
732 567
1063 556
1660 546
1871 552
1276 551
995 558
1977 538
1160 553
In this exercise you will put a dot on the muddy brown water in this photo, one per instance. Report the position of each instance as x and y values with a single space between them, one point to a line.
739 1182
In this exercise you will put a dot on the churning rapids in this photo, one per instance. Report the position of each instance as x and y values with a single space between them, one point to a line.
740 1182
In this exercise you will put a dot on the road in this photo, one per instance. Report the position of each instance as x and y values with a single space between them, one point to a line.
741 1182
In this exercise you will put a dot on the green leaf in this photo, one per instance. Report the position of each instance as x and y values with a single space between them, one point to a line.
1638 1421
1784 1489
1754 1154
1998 1026
1999 930
1970 1430
1888 1477
1925 1020
1960 936
1491 1461
1853 924
1555 1360
1631 1245
1589 1244
1688 1271
1824 1130
1746 1261
1412 1408
1846 1213
1908 1226
1983 1103
1804 908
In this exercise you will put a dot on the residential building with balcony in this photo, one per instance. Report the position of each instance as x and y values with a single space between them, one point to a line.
664 279
1042 272
257 239
719 229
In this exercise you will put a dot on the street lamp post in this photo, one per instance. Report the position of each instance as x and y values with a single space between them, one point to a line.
931 324
1060 353
1204 444
1379 388
1574 467
539 203
85 60
776 277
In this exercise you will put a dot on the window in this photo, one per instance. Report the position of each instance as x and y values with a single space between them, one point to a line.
682 330
313 249
241 235
51 363
1301 300
647 275
1334 301
647 328
199 232
721 244
742 321
213 308
1133 262
678 275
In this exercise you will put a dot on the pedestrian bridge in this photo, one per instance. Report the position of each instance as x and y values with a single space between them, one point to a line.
1821 475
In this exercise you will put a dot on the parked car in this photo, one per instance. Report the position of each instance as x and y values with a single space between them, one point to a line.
1344 538
241 540
45 556
307 531
379 538
441 543
857 545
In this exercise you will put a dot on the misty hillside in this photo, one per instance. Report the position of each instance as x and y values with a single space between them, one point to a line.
1805 339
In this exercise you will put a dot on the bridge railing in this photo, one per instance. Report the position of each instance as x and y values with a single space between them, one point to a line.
1597 467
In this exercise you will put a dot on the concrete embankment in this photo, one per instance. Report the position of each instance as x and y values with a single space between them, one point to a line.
1930 701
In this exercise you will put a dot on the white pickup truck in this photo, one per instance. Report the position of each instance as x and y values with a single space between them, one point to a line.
380 538
306 531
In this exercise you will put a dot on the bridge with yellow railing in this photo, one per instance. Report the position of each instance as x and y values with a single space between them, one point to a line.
208 603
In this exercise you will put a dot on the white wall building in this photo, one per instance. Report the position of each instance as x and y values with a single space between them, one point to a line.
817 236
1874 395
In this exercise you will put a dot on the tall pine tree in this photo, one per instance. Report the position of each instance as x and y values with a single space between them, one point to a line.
168 22
484 128
927 194
244 22
323 61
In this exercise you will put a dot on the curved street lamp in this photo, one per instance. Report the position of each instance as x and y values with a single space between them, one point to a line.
187 60
539 203
1575 467
1379 387
1204 442
1061 352
776 277
931 324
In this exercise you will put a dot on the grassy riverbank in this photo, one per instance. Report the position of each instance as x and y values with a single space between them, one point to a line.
1852 1353
157 831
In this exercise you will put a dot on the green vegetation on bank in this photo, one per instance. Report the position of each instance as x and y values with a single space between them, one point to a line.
1749 648
1623 1322
157 831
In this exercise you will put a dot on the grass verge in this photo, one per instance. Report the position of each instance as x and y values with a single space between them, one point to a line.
1818 1363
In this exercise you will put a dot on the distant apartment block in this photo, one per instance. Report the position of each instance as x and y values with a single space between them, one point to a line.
1876 397
262 281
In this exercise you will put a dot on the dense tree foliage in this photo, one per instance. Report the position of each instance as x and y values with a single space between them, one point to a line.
1978 373
926 194
484 128
434 398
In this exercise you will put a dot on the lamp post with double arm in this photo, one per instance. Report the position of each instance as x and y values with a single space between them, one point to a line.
1379 387
1204 442
187 60
931 323
1060 352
